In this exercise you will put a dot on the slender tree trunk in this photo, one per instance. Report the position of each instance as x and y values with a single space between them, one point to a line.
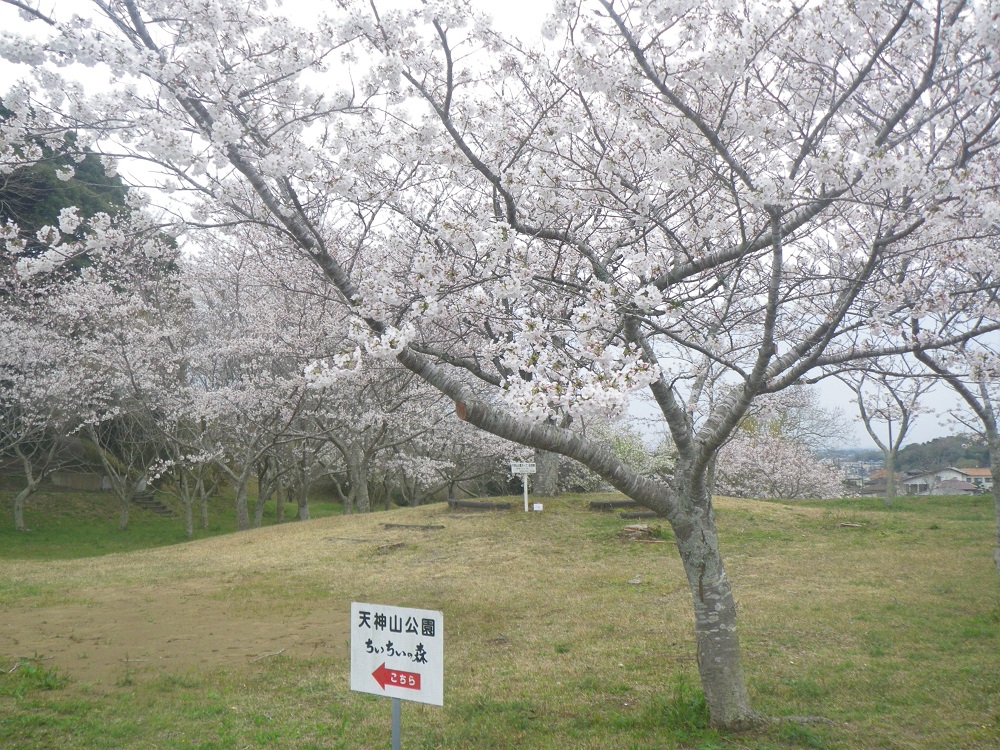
33 478
303 501
279 503
120 484
187 498
202 494
546 479
19 499
188 518
994 445
242 511
890 476
123 511
204 510
263 495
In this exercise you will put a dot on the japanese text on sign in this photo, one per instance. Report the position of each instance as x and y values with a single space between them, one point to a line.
397 652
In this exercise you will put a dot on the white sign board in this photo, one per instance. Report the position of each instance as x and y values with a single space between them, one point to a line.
522 468
397 652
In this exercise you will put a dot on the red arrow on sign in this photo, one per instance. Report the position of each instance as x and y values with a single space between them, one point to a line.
396 678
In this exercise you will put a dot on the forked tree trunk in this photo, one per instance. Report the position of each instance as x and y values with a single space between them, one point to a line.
263 495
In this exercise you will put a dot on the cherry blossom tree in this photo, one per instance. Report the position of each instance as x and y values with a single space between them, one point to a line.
762 465
891 398
972 369
37 404
765 188
773 452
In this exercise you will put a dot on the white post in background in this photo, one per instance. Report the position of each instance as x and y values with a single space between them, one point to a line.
523 469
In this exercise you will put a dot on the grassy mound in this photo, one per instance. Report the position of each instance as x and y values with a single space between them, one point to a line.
560 633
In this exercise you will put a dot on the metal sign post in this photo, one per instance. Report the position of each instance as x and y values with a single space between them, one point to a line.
395 723
397 652
523 469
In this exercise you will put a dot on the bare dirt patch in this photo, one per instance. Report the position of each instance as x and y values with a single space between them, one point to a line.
175 628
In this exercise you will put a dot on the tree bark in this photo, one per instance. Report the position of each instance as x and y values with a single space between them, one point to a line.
993 439
187 499
546 479
890 475
19 499
279 503
357 471
716 637
123 512
303 501
204 509
33 478
242 511
263 495
685 503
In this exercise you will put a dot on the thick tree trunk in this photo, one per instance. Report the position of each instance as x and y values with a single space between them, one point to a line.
546 479
357 471
686 505
716 638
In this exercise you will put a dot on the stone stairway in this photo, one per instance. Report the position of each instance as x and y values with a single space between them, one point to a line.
147 501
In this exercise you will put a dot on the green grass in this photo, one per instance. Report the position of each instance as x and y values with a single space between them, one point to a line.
884 634
65 525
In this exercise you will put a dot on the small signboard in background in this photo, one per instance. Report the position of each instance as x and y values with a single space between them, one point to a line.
398 652
523 469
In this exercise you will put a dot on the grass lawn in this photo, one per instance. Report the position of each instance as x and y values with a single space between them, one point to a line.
66 524
882 625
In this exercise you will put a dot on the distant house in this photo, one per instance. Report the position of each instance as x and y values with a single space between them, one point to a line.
949 481
875 483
